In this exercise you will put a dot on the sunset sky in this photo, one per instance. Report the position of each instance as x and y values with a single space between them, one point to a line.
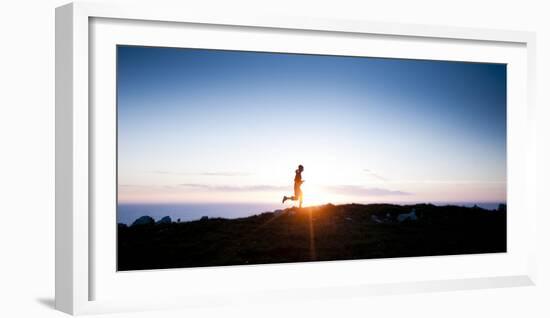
207 126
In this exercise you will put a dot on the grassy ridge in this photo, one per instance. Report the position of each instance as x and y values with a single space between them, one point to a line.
329 232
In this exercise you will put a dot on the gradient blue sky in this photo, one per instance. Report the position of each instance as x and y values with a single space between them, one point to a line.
229 126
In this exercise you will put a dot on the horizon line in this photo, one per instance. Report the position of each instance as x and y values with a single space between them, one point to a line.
336 202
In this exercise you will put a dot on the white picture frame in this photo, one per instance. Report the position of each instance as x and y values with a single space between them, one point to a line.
85 280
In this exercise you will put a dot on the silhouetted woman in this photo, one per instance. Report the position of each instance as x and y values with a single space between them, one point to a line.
298 195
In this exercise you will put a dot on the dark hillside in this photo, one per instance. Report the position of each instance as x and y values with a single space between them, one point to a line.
329 232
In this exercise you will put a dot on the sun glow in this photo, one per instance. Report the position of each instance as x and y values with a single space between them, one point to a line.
316 195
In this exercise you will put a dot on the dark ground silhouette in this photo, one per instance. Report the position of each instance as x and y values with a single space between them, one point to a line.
328 232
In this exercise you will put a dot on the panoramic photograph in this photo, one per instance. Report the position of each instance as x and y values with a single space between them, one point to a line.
241 158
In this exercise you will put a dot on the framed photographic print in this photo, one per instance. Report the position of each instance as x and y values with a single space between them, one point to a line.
250 159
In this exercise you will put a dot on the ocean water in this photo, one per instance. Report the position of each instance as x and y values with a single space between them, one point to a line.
127 213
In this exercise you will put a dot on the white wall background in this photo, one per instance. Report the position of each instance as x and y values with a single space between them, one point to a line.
27 157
